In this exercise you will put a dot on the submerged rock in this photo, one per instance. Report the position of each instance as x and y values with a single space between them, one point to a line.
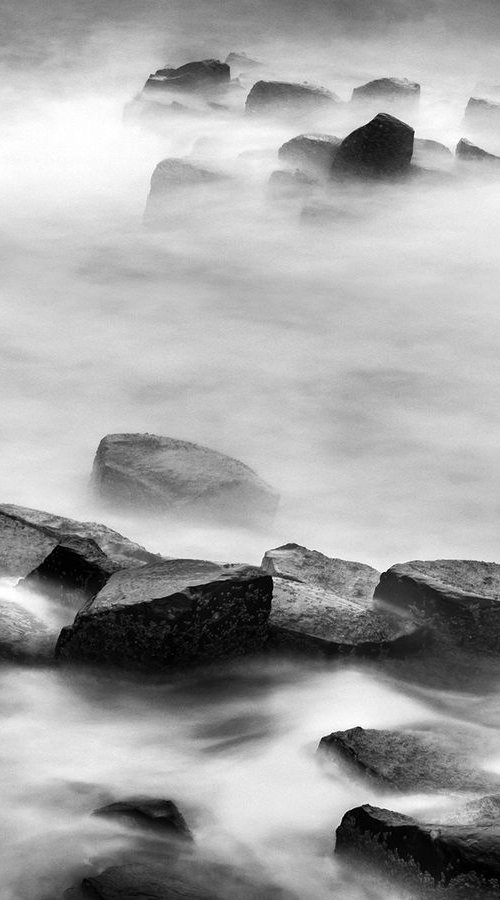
459 598
460 861
193 76
469 152
275 97
170 177
161 474
381 148
161 815
172 613
311 152
23 636
287 186
73 572
482 114
392 90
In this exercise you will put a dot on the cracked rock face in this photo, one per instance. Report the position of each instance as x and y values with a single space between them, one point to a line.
172 613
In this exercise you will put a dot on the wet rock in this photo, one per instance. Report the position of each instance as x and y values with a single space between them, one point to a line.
435 860
324 606
162 474
23 636
381 148
161 815
170 614
469 152
410 760
482 115
275 97
312 153
388 90
457 598
27 536
193 76
73 572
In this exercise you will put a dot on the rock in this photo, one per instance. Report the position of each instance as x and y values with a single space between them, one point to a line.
410 760
482 115
172 613
170 177
162 815
27 536
392 90
241 61
470 153
275 97
289 186
311 152
464 860
162 474
381 148
457 598
324 606
193 76
23 636
73 572
433 154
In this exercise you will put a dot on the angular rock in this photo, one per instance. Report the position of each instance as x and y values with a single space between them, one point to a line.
73 572
325 606
275 97
469 152
392 90
161 815
482 114
429 148
23 636
170 614
458 598
162 474
193 76
461 861
310 152
410 760
381 148
27 536
241 61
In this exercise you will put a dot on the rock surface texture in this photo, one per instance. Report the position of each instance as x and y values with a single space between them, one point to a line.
193 76
23 636
73 572
459 598
310 152
161 474
381 148
275 97
172 613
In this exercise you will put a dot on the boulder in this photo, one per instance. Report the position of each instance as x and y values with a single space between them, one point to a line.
381 148
392 90
431 154
27 536
171 613
23 636
281 97
73 572
482 115
241 61
469 152
458 598
193 76
462 861
161 474
324 606
161 815
285 186
171 177
312 153
410 760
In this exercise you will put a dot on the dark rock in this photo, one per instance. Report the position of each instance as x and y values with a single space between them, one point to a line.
410 760
324 605
482 114
274 97
193 76
27 536
162 474
162 815
463 859
172 613
458 598
381 148
392 90
470 153
23 636
73 572
311 152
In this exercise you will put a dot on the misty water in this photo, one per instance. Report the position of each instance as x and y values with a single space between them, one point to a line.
353 362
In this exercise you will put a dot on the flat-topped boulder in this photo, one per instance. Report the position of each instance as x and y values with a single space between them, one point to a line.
469 152
324 605
72 573
432 860
310 152
481 114
282 97
202 75
382 148
392 90
164 475
456 597
172 613
413 760
27 536
149 812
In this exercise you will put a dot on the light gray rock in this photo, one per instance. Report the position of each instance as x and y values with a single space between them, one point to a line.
284 98
468 152
170 181
482 115
388 90
23 636
312 153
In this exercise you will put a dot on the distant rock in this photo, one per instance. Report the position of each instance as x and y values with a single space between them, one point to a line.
392 90
312 153
193 76
382 148
482 115
290 187
460 861
170 614
459 598
325 606
431 154
410 760
164 475
241 61
469 152
281 97
23 636
27 536
170 177
73 572
147 812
